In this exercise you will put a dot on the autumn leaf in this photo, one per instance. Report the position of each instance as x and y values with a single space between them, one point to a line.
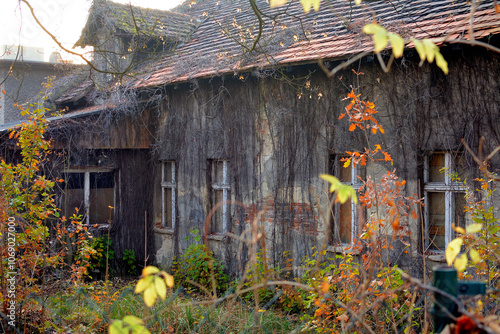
461 262
117 328
334 182
277 3
441 63
395 224
150 270
352 127
474 228
143 284
169 279
161 288
398 44
379 36
419 46
307 4
453 249
150 295
474 256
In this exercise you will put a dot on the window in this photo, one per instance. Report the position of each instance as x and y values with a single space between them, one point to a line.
344 226
444 198
168 194
220 194
92 193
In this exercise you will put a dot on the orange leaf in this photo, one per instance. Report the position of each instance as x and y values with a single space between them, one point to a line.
352 127
395 224
374 130
497 9
414 214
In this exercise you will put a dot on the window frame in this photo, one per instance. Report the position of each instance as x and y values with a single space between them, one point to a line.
223 186
86 188
172 185
449 188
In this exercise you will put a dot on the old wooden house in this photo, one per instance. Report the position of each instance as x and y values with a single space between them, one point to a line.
221 113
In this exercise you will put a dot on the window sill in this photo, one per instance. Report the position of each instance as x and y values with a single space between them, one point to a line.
164 230
217 237
436 256
344 249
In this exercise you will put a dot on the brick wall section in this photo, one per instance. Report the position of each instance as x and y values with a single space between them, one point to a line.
302 216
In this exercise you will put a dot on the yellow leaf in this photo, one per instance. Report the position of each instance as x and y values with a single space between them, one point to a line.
429 47
117 328
380 41
357 2
372 28
459 230
277 3
169 279
150 270
306 5
143 284
398 44
474 228
315 4
150 296
132 320
474 256
161 288
420 48
453 249
347 163
461 262
441 63
335 183
353 196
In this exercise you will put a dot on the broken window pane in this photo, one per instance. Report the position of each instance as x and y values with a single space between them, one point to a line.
218 215
92 198
345 222
437 227
101 198
167 207
73 194
459 214
436 164
168 172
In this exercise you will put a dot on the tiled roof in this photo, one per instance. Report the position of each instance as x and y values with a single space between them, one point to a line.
221 43
76 92
164 25
71 115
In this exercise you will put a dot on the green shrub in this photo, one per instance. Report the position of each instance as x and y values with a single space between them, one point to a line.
197 269
104 251
130 260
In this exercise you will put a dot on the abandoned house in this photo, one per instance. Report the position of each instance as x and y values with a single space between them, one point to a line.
220 113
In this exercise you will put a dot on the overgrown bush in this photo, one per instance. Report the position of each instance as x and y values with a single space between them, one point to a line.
197 270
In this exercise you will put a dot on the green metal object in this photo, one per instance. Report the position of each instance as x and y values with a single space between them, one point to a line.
445 309
471 288
445 279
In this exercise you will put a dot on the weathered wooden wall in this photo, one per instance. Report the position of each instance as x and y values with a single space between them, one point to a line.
277 137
